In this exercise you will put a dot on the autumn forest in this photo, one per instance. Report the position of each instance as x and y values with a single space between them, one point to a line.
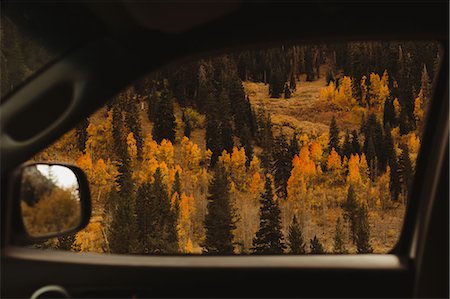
298 149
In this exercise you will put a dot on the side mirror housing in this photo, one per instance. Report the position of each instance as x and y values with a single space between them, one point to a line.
50 200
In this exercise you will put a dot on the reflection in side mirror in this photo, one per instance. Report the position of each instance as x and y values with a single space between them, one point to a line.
50 200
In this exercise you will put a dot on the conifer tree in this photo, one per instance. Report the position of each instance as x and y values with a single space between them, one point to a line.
356 146
133 123
294 146
282 166
269 238
405 167
246 142
295 238
153 102
187 125
287 92
164 126
347 146
220 218
316 246
363 231
339 245
389 113
394 178
350 207
334 136
155 219
82 135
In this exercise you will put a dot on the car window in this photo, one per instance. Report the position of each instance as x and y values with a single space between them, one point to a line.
296 149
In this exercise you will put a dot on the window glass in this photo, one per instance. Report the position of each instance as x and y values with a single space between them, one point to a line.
302 149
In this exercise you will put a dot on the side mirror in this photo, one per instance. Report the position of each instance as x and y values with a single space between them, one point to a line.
53 200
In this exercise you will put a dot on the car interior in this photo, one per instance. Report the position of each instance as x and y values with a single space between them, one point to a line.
99 49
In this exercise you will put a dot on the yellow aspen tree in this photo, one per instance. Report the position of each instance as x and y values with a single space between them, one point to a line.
225 159
255 165
256 185
190 154
165 152
316 152
334 161
208 155
364 90
364 169
296 186
189 247
91 239
327 93
413 143
85 163
354 175
238 168
397 108
384 90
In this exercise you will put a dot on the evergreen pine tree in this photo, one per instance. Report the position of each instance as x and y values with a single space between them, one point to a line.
295 238
187 125
153 102
287 92
133 122
246 142
220 218
164 126
282 166
356 147
269 238
394 179
389 113
155 219
334 136
316 246
405 167
339 246
294 146
347 146
350 207
81 134
363 231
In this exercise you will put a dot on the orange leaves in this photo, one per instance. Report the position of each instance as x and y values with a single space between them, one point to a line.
341 97
379 90
185 221
238 168
91 238
256 185
303 169
190 154
316 152
334 161
354 175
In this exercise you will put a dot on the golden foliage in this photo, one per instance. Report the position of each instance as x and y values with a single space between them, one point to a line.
316 152
55 212
190 154
334 161
354 175
91 239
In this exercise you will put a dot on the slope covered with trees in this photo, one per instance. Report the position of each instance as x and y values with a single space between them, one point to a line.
296 149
